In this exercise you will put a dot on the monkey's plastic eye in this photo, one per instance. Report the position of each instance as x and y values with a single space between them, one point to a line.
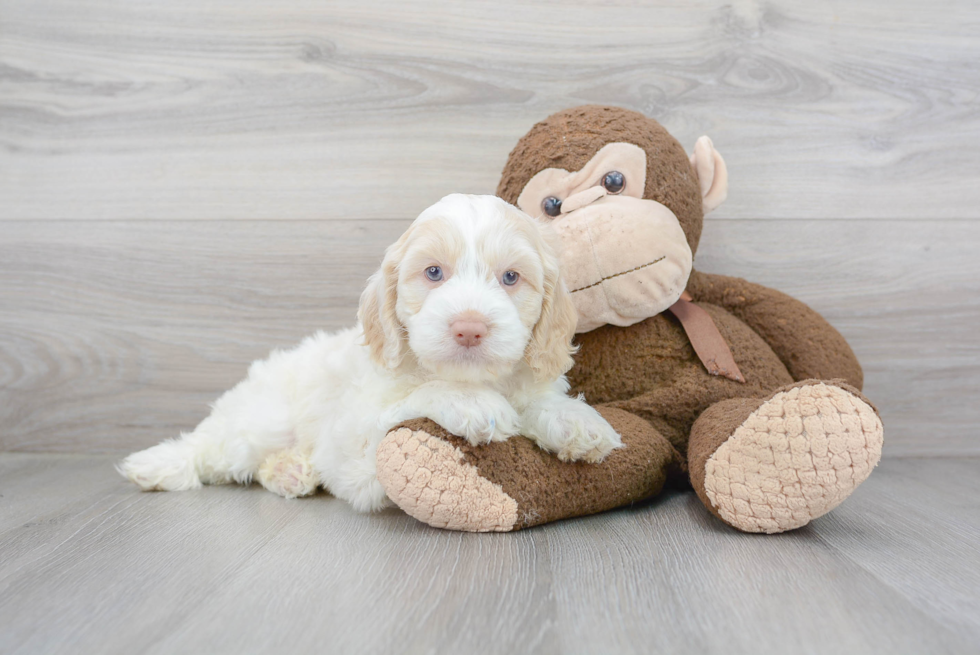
551 206
614 182
510 278
434 273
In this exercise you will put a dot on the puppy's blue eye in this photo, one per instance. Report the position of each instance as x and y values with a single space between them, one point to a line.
510 278
434 273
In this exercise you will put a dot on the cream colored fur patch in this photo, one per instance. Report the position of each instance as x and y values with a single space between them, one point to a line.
794 459
288 473
443 491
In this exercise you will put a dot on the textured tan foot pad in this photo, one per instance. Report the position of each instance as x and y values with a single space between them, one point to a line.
429 479
794 459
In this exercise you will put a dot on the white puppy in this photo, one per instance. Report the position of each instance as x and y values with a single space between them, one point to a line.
467 323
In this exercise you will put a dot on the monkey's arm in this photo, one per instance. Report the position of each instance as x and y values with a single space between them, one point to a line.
803 340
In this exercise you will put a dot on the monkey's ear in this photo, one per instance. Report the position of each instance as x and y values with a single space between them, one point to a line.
712 174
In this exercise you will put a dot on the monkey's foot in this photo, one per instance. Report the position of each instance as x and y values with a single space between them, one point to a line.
779 463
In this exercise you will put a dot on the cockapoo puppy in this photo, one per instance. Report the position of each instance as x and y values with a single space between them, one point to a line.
467 323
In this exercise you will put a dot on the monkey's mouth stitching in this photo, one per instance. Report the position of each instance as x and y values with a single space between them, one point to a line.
632 270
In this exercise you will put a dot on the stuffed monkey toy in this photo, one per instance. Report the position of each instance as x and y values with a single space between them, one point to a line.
747 393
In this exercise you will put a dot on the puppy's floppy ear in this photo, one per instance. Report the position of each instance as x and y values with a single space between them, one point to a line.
550 350
384 335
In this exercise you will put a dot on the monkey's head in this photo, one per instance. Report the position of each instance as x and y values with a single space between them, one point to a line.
626 202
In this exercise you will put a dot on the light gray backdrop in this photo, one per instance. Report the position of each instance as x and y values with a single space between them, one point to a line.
185 185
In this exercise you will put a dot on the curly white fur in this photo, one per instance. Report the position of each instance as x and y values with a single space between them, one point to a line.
315 414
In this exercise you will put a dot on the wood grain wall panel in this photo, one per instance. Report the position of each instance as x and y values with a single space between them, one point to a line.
116 334
249 109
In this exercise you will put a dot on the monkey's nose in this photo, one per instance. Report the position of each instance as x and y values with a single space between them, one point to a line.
468 332
582 198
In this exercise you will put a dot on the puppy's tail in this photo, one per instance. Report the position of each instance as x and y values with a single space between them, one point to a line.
169 466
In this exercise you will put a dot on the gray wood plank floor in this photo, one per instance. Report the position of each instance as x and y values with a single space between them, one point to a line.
91 565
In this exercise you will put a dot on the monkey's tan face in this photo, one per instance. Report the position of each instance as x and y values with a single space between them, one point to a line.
624 258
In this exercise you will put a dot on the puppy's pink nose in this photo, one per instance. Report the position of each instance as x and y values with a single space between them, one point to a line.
468 332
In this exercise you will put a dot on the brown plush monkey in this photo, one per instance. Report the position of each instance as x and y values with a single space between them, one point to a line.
750 392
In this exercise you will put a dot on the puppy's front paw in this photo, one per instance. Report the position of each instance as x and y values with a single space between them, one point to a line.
582 434
481 419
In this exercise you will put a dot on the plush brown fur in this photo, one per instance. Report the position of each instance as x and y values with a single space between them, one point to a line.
545 492
646 378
